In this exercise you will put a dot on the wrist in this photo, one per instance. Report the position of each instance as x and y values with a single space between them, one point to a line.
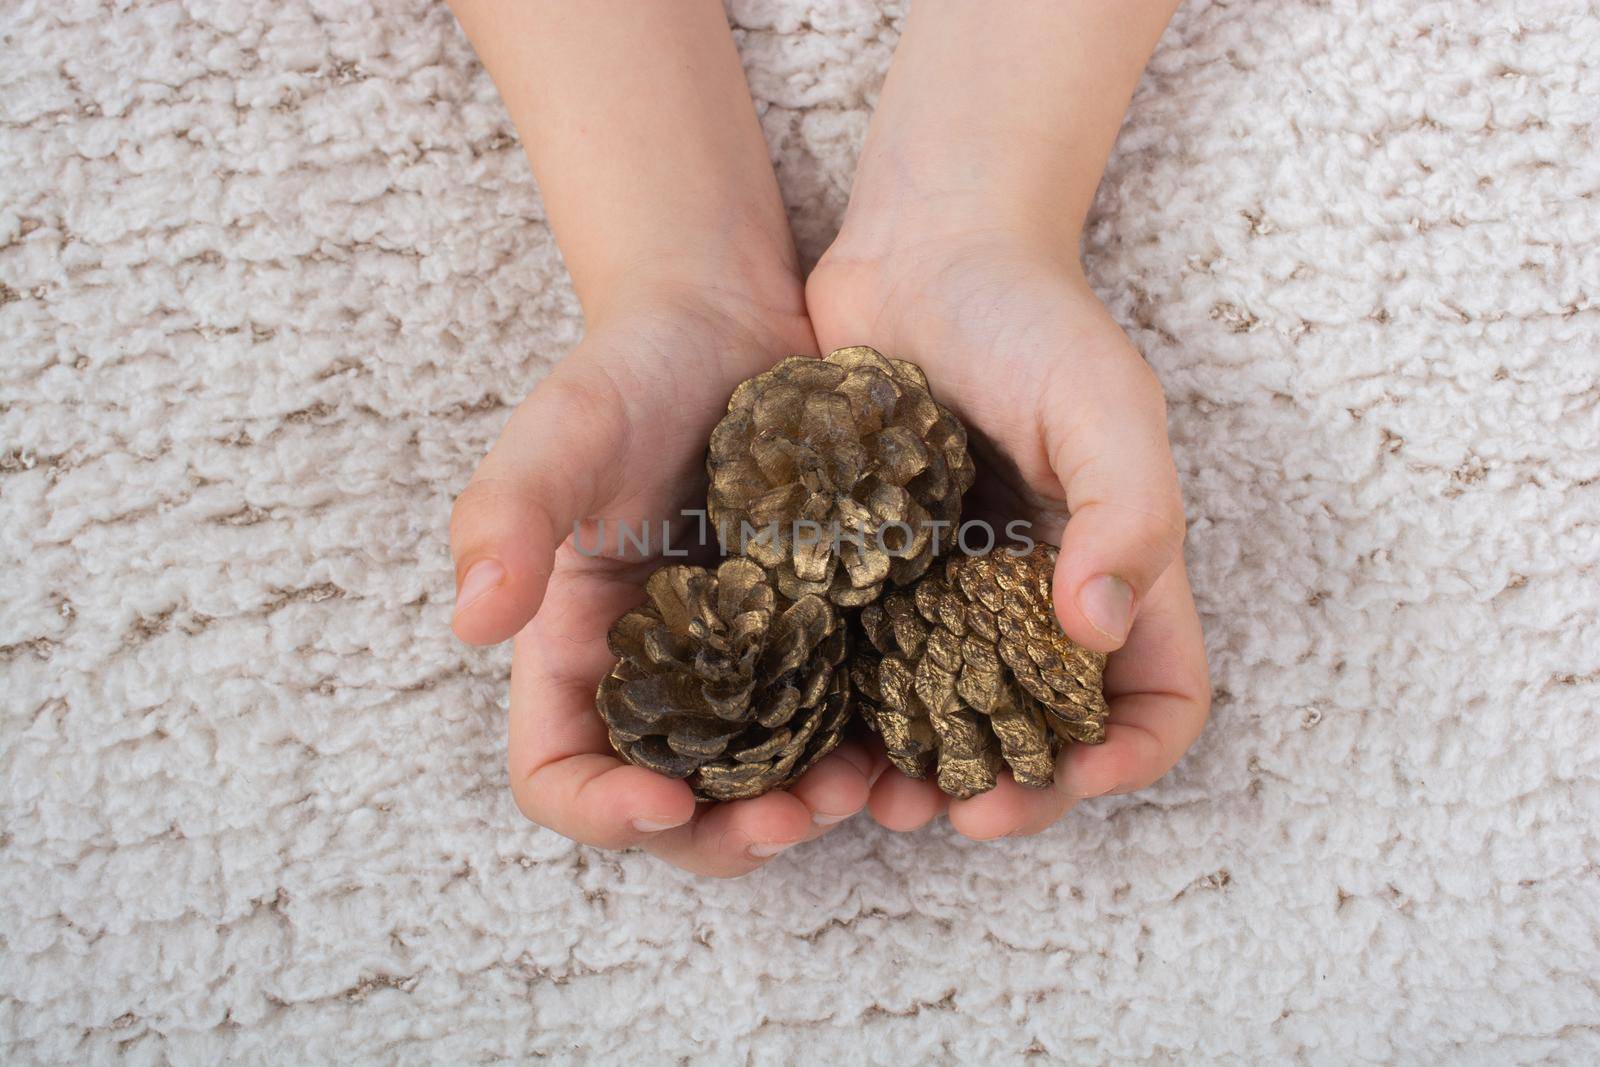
1001 117
755 279
992 186
896 255
755 307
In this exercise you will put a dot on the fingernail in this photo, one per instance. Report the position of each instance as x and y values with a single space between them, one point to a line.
655 826
819 819
771 848
1107 602
480 578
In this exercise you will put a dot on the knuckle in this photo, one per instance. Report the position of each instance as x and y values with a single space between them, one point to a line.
537 809
527 801
1171 525
578 398
1202 699
1159 521
1136 767
532 790
1153 526
1141 758
1152 392
572 394
469 503
482 497
1147 388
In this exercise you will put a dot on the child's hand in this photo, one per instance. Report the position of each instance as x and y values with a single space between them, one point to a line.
655 177
1065 417
618 432
1012 110
959 252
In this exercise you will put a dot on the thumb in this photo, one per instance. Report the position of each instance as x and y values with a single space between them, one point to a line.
548 471
1126 516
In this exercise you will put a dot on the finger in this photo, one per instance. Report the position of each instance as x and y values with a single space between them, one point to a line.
564 774
1051 806
555 461
599 800
901 803
731 839
836 787
1112 458
1046 807
1160 697
1007 809
1159 700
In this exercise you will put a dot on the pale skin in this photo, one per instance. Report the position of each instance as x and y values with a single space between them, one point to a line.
959 250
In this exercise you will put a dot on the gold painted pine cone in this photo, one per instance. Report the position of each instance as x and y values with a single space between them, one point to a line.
854 443
724 683
969 671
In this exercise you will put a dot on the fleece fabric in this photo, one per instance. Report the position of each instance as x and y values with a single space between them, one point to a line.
272 277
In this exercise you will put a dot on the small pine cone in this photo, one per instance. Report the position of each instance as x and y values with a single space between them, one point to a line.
969 670
724 683
832 474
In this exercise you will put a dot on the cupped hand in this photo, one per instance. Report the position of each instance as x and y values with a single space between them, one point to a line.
1065 418
616 433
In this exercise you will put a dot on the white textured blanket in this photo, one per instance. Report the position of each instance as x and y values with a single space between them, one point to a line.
270 276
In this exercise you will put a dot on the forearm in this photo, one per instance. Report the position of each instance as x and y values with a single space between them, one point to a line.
1008 110
646 147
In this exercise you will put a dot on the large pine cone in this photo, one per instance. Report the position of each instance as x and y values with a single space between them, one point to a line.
969 670
854 444
722 682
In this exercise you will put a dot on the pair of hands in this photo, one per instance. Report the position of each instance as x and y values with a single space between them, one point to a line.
1065 417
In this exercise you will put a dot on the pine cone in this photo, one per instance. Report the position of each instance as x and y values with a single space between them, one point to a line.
854 444
969 669
722 682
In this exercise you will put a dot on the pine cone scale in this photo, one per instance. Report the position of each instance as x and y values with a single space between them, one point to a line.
1024 745
697 737
973 656
853 443
658 698
865 568
781 709
653 754
836 484
724 684
900 452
